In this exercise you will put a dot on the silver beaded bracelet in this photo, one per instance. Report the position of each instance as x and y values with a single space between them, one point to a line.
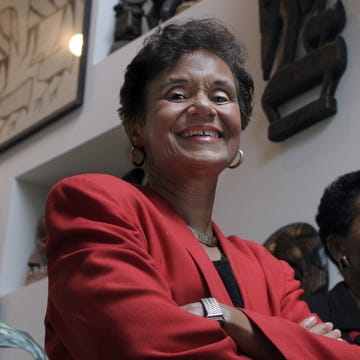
212 310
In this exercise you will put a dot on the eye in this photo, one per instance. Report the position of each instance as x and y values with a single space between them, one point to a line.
220 97
176 95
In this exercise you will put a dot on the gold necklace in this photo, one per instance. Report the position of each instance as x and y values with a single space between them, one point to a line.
207 240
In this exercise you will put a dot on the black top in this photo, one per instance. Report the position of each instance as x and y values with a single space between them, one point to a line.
224 269
338 307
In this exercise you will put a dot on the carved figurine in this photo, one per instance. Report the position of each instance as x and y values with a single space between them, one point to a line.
299 244
129 17
322 64
162 10
37 264
128 24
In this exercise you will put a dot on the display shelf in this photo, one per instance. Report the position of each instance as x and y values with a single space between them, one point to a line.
107 153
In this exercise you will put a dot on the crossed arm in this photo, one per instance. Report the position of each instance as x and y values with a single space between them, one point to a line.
249 338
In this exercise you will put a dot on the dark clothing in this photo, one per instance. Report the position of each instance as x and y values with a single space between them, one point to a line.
224 269
338 307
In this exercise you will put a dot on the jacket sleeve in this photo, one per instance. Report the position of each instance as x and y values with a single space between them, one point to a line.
106 298
292 340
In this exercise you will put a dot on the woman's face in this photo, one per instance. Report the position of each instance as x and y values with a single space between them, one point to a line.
353 250
192 117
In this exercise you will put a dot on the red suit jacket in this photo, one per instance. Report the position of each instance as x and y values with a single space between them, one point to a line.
121 262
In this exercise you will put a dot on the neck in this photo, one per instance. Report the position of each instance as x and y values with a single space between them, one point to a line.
192 199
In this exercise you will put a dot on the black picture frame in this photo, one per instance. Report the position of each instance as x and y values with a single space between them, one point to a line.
40 79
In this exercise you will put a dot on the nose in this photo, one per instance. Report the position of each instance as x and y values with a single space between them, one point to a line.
202 107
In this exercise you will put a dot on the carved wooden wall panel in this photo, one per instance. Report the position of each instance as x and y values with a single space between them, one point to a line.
289 76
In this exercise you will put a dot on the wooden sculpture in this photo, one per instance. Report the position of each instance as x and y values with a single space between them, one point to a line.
322 64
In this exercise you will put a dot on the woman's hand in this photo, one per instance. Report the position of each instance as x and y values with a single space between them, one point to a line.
325 329
194 308
247 336
249 339
310 323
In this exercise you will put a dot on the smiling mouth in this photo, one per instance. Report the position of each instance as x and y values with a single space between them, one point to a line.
205 133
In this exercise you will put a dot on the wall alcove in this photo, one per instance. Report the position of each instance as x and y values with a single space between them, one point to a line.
106 153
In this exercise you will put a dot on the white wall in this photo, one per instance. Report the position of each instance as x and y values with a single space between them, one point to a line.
277 183
282 182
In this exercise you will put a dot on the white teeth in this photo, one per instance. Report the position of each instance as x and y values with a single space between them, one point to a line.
200 133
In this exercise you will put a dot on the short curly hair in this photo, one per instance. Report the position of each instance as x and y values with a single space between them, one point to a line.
164 48
339 205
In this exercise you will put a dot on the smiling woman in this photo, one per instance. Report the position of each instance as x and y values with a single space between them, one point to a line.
143 272
192 114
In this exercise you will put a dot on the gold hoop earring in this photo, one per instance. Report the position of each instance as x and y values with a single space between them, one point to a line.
343 263
137 155
238 163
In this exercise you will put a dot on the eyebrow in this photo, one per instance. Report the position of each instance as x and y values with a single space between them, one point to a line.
175 80
226 84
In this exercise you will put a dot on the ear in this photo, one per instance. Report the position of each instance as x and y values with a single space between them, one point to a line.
336 246
134 133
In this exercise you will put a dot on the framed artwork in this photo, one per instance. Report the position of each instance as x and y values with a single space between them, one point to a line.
43 47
